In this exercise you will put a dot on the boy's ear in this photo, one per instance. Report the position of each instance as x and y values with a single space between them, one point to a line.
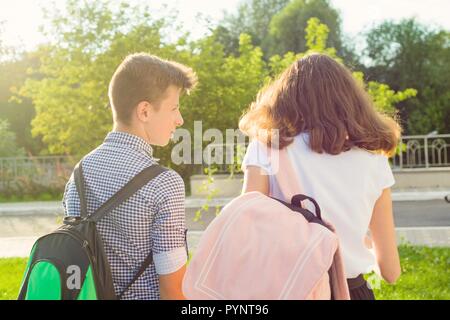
143 111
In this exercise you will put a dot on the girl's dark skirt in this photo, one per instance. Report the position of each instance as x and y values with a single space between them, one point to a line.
360 289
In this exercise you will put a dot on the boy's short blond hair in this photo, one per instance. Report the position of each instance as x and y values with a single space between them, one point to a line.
144 77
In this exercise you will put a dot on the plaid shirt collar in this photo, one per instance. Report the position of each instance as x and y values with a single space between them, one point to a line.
123 139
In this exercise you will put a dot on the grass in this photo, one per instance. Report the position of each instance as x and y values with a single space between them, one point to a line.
11 272
425 276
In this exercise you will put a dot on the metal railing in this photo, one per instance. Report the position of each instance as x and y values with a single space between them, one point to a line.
423 152
42 170
415 152
229 156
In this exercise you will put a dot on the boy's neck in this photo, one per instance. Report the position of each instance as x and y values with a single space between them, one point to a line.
118 127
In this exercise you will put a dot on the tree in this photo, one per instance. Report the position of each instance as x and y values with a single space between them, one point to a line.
14 65
18 112
69 88
227 85
8 146
316 38
253 18
287 28
408 54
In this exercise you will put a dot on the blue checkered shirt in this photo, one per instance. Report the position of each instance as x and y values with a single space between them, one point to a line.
152 219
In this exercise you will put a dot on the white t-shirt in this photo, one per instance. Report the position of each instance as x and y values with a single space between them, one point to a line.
346 187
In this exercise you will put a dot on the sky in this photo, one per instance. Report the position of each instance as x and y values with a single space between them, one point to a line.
22 18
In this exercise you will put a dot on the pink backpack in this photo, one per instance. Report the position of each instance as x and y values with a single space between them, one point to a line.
267 249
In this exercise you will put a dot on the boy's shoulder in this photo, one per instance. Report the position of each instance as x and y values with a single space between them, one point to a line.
125 165
106 155
169 180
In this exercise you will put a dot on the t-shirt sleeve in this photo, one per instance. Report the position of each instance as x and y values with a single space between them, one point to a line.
385 175
256 155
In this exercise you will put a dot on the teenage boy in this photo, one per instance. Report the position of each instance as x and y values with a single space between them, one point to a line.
144 96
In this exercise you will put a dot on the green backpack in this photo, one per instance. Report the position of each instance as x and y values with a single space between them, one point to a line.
70 263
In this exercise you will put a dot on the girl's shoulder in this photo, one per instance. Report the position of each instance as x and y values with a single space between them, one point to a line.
302 141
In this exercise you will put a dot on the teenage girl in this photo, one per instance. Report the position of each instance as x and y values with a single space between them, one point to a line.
339 146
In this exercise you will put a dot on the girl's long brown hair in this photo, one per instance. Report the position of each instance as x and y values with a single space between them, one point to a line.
318 95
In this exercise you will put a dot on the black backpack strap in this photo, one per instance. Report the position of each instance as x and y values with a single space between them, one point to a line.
147 262
80 185
140 180
123 194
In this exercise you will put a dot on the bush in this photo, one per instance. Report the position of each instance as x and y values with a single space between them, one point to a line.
26 189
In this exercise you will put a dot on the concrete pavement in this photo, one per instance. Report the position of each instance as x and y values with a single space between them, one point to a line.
46 207
422 217
431 236
21 246
428 236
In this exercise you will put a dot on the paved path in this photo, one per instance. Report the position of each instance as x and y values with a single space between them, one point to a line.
46 207
432 236
406 214
429 213
424 221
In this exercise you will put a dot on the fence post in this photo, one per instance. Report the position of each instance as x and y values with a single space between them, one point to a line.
15 168
2 174
426 152
401 152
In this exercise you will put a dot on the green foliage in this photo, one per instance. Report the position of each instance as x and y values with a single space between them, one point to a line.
69 90
424 275
288 27
253 18
408 54
317 33
211 192
227 84
18 113
385 98
26 189
66 81
317 36
11 273
433 113
316 40
278 26
8 146
69 86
